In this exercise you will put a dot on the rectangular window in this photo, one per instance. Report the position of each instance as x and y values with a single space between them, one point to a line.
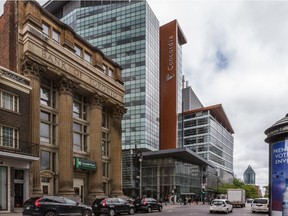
9 137
105 120
45 160
56 36
105 169
79 107
105 69
105 144
78 51
47 127
87 57
110 74
48 94
9 101
79 137
45 29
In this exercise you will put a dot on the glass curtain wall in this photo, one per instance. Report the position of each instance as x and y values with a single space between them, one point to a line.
127 32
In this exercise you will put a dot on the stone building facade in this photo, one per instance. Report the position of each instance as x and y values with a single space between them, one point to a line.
76 103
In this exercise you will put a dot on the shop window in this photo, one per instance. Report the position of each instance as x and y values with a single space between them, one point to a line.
4 188
9 101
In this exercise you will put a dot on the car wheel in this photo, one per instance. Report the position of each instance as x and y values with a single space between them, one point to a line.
111 212
51 213
211 212
131 211
160 208
87 213
149 210
231 209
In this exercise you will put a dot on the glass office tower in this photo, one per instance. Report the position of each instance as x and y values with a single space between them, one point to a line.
207 132
128 33
249 176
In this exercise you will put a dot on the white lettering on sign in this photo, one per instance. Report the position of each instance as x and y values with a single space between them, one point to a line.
170 74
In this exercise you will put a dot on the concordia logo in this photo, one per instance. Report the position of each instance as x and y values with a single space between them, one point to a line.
170 76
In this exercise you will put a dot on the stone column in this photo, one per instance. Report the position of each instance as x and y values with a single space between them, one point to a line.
116 151
32 70
65 160
95 137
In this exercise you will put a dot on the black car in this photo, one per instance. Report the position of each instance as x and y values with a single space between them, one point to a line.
54 206
112 206
147 205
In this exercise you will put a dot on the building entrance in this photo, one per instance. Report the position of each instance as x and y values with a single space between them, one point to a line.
18 199
79 188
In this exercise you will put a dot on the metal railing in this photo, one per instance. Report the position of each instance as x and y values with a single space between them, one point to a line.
21 147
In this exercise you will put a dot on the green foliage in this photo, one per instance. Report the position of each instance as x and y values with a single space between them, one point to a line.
250 190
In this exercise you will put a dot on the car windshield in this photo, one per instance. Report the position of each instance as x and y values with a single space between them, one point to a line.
31 201
261 201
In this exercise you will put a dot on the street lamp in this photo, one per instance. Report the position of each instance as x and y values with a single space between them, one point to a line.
140 184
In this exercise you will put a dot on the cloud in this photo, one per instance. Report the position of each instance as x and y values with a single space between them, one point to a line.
250 39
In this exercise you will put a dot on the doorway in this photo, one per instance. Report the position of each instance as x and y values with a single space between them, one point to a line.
18 199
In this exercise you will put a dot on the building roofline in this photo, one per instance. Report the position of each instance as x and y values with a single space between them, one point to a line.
217 112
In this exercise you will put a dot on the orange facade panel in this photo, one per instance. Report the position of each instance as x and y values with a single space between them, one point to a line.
168 85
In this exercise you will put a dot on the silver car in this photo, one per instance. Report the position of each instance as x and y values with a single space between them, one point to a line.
221 205
260 205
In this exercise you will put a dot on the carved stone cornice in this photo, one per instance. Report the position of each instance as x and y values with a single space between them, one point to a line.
119 111
97 101
66 86
31 68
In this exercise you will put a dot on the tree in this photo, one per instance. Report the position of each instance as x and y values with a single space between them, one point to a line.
250 190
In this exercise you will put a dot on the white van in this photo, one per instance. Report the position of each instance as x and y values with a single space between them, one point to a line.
260 205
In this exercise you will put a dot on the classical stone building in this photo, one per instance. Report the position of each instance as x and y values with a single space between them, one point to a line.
76 103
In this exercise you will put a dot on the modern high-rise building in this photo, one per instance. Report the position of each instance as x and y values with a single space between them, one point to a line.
208 132
249 176
171 40
127 32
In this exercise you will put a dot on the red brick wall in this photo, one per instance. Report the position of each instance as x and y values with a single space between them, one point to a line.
8 35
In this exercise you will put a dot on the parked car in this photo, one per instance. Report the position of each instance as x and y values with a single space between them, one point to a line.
260 205
112 206
221 205
249 200
147 205
54 206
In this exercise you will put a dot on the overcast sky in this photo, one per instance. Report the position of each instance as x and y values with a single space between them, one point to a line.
237 55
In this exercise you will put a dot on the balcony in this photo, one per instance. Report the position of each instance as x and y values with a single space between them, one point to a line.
19 149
